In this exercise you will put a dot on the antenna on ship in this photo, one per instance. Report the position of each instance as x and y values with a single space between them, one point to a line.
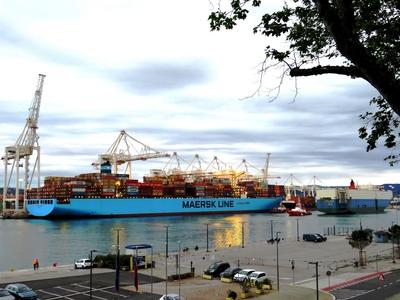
116 155
18 155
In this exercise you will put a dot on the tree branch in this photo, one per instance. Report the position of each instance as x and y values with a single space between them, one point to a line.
350 47
319 70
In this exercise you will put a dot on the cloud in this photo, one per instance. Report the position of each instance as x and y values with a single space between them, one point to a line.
155 77
14 38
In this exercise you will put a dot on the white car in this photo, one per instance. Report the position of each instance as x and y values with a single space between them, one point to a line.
83 263
257 276
172 297
242 275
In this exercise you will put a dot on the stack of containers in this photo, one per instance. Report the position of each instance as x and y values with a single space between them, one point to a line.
146 190
107 185
132 187
78 188
200 189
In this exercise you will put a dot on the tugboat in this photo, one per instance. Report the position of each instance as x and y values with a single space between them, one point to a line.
298 212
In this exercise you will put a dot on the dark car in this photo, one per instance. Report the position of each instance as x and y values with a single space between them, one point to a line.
21 291
230 272
311 237
216 268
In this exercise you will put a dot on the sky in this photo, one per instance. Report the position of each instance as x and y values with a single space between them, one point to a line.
155 70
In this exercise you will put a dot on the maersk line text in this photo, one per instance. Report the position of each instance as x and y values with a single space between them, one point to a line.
207 204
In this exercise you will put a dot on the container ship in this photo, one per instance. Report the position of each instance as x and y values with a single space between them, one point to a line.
352 200
115 195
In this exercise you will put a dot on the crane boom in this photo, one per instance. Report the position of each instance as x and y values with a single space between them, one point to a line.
117 155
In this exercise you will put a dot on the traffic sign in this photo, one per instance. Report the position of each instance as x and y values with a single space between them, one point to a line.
381 277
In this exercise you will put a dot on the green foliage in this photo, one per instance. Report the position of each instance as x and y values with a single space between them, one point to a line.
395 233
108 261
245 285
362 34
382 123
360 239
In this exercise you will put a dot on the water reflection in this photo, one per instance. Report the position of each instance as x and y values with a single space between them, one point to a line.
63 241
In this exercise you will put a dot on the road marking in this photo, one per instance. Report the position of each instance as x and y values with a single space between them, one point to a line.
52 294
103 290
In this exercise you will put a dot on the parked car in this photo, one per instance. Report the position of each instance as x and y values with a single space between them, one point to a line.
172 297
323 237
83 263
5 295
242 275
257 276
216 268
21 291
310 237
230 272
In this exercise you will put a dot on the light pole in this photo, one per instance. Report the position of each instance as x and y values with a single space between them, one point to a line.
91 271
117 261
207 236
297 223
166 260
242 234
179 269
316 276
277 258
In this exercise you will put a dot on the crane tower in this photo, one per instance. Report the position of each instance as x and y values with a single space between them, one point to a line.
18 156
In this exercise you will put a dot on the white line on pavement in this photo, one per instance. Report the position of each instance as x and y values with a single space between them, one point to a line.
52 294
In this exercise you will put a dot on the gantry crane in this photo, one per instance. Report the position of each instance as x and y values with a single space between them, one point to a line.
18 155
120 153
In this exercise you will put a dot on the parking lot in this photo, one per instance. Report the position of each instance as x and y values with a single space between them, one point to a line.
78 287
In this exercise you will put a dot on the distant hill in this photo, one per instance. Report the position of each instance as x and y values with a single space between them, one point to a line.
395 187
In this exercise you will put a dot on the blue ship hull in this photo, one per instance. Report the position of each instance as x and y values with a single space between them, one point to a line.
130 207
354 206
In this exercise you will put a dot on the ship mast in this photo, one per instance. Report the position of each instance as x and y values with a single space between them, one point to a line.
18 155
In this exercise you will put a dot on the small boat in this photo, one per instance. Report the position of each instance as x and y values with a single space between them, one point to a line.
289 204
298 212
278 210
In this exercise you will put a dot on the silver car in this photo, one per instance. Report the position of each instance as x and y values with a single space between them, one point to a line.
5 295
21 291
172 297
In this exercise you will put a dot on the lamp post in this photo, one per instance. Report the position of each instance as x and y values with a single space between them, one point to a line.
207 235
117 264
91 271
277 240
242 234
166 260
316 276
179 269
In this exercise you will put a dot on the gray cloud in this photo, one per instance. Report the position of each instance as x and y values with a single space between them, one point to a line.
155 77
11 37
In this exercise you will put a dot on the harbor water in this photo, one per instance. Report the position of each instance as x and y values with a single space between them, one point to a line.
63 241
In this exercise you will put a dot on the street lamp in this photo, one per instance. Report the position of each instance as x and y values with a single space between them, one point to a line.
277 240
242 234
207 237
166 260
91 271
179 269
117 262
316 276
